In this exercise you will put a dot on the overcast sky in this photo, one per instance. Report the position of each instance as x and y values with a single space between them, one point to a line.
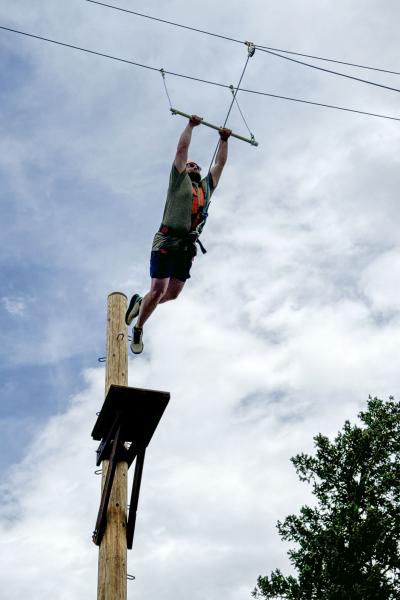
289 322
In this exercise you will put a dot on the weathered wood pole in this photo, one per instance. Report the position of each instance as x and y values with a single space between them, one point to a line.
112 575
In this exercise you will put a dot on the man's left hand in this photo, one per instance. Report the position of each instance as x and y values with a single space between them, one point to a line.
224 133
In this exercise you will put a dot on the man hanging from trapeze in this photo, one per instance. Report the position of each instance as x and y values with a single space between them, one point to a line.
174 245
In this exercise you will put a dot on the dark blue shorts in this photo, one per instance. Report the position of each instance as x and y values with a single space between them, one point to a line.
175 264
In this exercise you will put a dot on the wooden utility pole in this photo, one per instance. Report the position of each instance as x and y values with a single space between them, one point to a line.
124 426
112 576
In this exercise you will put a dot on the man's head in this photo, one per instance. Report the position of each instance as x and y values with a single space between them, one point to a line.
193 170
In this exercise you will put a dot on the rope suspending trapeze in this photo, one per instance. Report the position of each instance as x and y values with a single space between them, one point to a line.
165 86
250 52
234 90
241 113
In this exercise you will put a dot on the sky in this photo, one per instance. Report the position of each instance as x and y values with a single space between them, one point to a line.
288 323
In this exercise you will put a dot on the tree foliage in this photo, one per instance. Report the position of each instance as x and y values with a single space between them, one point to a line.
347 547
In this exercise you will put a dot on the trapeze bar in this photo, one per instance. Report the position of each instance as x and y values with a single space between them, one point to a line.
251 141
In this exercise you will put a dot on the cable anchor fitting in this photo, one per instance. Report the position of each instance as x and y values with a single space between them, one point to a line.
250 49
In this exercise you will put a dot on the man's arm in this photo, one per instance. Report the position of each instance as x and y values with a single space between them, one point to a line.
222 155
184 143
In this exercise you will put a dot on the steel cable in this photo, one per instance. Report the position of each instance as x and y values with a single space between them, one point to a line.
198 79
231 39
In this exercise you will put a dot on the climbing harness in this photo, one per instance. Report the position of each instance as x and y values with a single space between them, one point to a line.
201 206
189 239
198 204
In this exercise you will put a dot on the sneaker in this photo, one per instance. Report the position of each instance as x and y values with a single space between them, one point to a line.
133 308
137 342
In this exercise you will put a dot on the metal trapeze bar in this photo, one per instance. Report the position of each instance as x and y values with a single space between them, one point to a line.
251 141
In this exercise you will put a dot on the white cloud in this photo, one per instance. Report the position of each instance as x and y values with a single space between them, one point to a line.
206 505
380 281
16 307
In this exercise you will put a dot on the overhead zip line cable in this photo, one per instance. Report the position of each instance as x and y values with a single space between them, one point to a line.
198 79
300 62
230 39
262 48
102 54
332 60
321 104
138 14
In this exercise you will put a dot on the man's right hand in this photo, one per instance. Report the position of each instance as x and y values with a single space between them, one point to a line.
224 133
195 120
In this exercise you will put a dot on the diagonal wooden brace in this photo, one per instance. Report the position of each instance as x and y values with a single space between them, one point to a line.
105 496
137 479
105 445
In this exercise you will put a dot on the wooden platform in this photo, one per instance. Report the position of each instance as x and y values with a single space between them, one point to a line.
128 415
139 410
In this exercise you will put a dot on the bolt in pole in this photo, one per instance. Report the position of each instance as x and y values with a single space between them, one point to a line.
112 573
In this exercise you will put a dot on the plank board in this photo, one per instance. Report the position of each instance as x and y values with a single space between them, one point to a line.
140 409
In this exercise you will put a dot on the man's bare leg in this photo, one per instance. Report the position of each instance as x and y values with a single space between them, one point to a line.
161 290
151 300
175 286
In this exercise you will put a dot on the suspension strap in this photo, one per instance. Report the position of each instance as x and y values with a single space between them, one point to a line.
250 52
165 86
241 113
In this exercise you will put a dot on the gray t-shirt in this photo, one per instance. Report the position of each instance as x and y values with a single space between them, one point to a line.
178 206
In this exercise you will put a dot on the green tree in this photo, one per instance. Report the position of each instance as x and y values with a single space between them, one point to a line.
348 544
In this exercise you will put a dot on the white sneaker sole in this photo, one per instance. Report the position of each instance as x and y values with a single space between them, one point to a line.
137 348
133 309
